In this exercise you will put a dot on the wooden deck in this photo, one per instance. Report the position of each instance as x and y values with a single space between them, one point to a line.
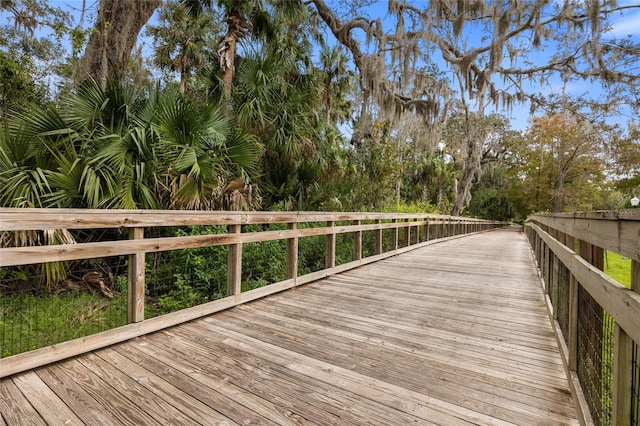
453 333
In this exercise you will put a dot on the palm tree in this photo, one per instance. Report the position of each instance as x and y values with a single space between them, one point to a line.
197 149
118 148
180 40
338 81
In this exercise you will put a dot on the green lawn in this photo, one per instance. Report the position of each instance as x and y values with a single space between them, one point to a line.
618 268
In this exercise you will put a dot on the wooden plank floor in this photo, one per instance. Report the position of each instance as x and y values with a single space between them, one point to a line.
453 333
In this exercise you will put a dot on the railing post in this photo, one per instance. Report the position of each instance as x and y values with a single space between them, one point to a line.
292 254
357 242
545 267
555 284
623 364
406 233
234 262
135 286
426 229
573 324
377 238
394 235
330 247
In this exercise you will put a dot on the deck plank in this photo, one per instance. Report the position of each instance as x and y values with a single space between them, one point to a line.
49 406
15 409
454 333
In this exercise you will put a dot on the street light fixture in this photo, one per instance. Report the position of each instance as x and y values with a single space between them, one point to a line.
634 202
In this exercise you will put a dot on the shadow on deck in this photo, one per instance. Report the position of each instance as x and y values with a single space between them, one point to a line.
451 333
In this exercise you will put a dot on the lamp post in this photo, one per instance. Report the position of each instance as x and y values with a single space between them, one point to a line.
634 202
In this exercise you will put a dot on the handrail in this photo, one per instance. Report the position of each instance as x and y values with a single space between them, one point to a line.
17 219
584 288
418 230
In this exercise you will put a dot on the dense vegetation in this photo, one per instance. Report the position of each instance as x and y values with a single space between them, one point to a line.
276 105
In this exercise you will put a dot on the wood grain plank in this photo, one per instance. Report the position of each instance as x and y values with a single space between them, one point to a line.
282 397
15 409
16 219
91 399
212 391
439 362
396 397
50 407
163 390
136 394
371 358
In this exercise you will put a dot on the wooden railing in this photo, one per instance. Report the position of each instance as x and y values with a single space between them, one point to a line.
597 319
417 230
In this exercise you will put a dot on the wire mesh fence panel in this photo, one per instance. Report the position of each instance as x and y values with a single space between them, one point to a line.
595 357
85 297
544 263
368 243
311 250
344 245
388 240
180 279
263 263
635 385
562 303
552 282
404 236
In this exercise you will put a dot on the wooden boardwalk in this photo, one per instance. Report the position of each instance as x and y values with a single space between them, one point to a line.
453 333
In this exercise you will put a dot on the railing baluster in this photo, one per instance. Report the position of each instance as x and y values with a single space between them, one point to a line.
136 278
234 262
377 238
292 254
357 242
330 247
394 235
407 233
426 229
573 324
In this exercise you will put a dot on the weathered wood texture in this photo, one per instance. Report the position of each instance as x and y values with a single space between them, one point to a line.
554 237
454 333
17 219
616 231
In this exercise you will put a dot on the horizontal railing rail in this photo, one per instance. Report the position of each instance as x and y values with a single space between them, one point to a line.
597 319
140 229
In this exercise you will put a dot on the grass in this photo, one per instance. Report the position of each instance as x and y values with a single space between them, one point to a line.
29 321
618 268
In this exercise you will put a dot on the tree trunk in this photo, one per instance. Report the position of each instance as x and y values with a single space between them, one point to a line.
470 169
558 202
237 27
115 34
183 80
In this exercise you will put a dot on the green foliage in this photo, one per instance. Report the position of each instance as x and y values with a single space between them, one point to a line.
492 195
618 267
120 148
183 42
33 321
560 167
373 169
265 262
181 296
183 278
424 207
